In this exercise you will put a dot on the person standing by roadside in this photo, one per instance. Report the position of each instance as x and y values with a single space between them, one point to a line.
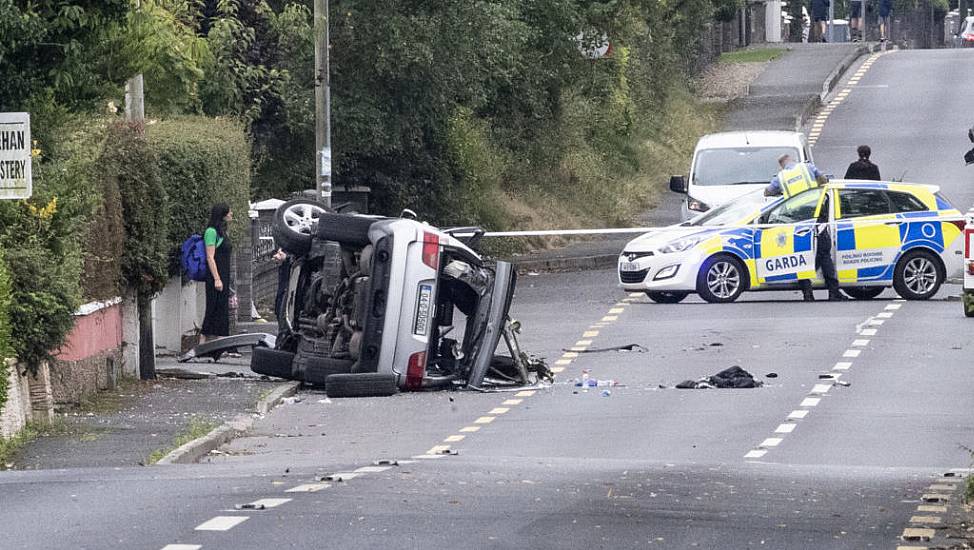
855 20
219 250
820 14
823 258
863 169
885 9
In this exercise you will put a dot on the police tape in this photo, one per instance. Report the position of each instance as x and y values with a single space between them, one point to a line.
799 226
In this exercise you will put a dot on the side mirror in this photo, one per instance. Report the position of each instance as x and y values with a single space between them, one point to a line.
678 184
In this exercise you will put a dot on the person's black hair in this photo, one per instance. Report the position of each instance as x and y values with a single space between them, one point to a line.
864 151
217 215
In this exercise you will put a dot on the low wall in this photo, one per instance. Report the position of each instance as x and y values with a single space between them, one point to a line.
91 358
28 398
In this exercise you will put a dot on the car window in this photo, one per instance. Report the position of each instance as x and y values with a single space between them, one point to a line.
738 165
855 203
734 211
796 209
905 202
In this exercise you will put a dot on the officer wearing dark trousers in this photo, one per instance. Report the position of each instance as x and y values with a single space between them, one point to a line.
823 259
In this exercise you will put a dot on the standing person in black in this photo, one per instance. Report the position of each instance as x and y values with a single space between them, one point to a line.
823 259
863 169
216 321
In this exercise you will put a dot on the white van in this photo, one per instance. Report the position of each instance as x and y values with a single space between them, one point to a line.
730 164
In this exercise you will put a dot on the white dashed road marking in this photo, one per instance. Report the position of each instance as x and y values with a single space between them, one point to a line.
182 547
222 523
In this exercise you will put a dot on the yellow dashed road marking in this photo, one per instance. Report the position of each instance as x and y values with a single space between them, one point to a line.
525 393
563 362
557 370
569 355
469 429
498 410
609 318
917 534
484 420
925 519
512 402
454 438
616 310
438 449
941 487
931 508
590 334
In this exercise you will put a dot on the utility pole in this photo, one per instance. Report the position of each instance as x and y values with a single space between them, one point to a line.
322 103
135 113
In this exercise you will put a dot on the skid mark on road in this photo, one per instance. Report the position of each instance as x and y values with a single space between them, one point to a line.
818 123
826 382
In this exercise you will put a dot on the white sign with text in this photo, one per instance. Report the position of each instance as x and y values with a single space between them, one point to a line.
15 156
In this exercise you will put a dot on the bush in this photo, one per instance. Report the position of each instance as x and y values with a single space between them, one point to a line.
132 167
42 238
5 349
202 161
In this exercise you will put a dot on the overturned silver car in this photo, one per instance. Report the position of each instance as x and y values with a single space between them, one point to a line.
375 305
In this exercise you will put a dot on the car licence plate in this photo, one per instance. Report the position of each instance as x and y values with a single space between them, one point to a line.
629 266
423 308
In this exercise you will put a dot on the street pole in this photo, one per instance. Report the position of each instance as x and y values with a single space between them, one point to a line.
322 103
831 21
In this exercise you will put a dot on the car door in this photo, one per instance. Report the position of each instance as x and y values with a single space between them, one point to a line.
784 245
867 236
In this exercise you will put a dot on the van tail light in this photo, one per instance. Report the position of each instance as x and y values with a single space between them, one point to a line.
416 370
960 224
970 267
431 250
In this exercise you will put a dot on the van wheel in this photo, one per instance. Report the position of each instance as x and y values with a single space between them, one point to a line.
864 292
346 229
722 279
918 275
366 384
661 297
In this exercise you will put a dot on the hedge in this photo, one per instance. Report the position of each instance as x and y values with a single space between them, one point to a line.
202 161
5 350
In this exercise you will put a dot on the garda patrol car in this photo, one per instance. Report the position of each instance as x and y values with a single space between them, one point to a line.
883 234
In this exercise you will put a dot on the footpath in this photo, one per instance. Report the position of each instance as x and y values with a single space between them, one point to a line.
786 93
147 422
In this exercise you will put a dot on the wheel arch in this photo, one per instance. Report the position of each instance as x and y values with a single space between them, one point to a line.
749 274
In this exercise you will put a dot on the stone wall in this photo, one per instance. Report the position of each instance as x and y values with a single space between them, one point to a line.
72 381
16 412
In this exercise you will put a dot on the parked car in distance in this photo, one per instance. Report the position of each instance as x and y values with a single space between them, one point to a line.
377 304
727 165
965 34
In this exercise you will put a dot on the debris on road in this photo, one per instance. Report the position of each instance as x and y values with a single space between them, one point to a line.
771 375
627 347
733 377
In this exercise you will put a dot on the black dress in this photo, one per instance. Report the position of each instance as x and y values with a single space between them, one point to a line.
216 322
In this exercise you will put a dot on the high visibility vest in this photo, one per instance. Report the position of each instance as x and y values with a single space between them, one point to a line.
796 179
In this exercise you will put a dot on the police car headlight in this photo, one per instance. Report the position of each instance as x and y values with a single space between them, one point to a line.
697 205
667 272
680 245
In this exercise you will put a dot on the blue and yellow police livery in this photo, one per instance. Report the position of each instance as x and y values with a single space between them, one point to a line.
884 234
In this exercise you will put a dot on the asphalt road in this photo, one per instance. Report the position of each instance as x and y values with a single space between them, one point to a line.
801 463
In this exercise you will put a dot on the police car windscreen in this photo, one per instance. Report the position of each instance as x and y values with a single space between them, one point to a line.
739 166
735 211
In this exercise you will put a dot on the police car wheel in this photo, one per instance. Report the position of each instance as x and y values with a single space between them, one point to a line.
918 275
661 297
722 279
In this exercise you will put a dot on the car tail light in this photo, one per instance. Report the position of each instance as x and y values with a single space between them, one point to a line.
970 267
431 250
969 37
416 370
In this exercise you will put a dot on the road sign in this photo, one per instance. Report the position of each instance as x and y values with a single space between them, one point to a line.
15 155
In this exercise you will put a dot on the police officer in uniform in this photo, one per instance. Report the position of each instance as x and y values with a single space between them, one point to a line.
790 181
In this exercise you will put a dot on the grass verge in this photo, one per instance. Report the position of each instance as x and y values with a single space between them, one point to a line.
756 55
197 427
10 447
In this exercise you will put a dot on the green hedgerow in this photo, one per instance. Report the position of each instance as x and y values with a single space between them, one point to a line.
5 350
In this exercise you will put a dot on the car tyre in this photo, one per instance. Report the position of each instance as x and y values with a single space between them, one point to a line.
272 362
294 223
666 297
345 229
365 384
968 298
864 292
918 275
722 279
318 369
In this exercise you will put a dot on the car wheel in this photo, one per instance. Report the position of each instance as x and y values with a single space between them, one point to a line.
864 292
366 384
722 278
661 297
294 222
318 369
345 229
272 362
918 275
